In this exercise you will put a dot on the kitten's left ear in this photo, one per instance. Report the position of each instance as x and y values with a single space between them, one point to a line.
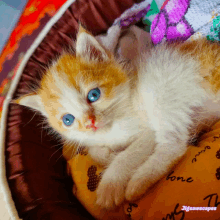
89 48
32 101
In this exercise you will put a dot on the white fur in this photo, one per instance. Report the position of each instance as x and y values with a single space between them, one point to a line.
169 93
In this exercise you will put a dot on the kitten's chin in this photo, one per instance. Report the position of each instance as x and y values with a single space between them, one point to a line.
113 136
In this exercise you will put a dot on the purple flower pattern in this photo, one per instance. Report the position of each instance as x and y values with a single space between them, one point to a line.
170 24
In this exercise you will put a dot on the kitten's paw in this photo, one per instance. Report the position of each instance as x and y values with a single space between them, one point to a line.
137 186
110 192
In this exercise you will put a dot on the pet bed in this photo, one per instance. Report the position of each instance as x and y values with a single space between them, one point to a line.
33 172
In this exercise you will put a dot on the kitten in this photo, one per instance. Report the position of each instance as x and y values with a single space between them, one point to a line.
138 125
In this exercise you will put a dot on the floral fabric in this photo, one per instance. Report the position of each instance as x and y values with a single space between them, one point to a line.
182 19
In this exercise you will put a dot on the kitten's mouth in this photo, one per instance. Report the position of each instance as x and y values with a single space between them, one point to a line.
95 125
92 125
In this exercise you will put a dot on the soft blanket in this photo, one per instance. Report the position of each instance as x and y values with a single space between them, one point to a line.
175 19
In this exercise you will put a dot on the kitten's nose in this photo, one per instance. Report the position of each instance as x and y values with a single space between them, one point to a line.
90 122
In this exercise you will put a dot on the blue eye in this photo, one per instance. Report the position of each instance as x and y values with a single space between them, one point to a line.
68 119
94 95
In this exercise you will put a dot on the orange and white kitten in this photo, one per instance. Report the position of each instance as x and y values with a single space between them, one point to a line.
137 124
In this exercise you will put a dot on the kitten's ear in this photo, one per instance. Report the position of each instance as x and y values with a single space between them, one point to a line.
89 48
33 101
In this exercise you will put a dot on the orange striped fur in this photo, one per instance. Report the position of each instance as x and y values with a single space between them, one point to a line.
208 54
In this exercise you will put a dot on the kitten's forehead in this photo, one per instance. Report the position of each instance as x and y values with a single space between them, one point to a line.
83 75
71 99
73 102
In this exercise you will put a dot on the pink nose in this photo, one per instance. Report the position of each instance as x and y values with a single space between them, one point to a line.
91 124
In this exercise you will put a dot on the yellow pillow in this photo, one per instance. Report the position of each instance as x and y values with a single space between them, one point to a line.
189 191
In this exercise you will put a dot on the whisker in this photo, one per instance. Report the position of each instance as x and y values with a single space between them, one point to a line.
55 152
56 145
44 122
31 119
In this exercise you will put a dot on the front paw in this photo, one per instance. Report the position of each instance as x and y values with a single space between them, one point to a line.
137 186
111 191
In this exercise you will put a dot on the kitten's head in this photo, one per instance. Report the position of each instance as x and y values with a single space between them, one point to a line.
84 97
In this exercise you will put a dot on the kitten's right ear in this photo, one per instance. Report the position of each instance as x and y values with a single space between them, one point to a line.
89 48
33 101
